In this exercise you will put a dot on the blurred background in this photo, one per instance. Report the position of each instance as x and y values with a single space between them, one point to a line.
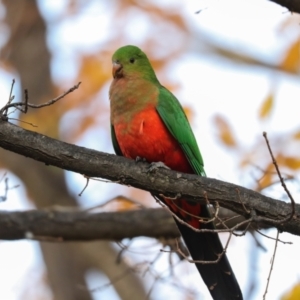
235 67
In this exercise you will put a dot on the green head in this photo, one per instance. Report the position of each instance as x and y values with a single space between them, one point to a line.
131 61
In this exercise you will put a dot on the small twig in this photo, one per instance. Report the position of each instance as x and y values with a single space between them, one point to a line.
185 212
271 268
202 230
6 188
124 248
4 197
26 104
289 217
216 214
205 262
271 238
86 185
110 283
200 10
228 219
28 123
10 98
248 222
257 242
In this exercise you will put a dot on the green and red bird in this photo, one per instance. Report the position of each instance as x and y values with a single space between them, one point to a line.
147 121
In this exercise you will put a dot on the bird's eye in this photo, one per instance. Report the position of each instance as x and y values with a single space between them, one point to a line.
132 60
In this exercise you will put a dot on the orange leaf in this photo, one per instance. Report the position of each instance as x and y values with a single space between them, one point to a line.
291 62
125 204
296 135
225 132
188 112
290 162
293 294
267 178
94 73
266 107
120 203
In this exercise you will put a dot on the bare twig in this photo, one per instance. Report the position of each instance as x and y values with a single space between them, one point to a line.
6 187
10 98
23 106
204 229
4 197
271 238
185 212
206 262
86 185
289 217
25 122
257 242
271 268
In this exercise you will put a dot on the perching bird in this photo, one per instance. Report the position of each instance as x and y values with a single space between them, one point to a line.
147 121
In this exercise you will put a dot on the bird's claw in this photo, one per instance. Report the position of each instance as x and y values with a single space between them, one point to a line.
140 159
155 165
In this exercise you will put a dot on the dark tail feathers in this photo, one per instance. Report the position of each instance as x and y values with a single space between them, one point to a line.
219 277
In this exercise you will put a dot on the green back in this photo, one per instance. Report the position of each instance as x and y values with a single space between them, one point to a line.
176 121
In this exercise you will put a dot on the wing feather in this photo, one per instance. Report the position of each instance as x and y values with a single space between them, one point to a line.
173 116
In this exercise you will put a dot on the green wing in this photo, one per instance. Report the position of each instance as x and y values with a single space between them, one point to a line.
172 114
114 141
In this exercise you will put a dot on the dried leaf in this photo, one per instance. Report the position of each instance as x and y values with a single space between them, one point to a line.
93 73
122 204
296 135
290 162
189 113
291 62
293 294
268 177
224 132
266 107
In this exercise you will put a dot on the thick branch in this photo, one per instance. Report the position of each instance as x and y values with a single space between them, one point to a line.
124 171
291 5
75 225
80 226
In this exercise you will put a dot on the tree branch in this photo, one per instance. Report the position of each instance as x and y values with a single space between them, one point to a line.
82 226
74 225
291 5
169 183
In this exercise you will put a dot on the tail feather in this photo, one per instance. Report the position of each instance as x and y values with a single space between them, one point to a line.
205 246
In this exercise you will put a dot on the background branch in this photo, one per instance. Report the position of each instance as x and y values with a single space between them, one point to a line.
72 225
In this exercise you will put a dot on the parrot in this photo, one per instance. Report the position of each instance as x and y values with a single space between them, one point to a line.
149 123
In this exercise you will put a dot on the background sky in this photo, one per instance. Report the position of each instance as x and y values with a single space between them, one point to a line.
209 86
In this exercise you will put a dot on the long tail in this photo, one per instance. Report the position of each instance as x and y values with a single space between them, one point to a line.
218 277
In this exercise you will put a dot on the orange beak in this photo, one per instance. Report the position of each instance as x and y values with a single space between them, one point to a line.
117 68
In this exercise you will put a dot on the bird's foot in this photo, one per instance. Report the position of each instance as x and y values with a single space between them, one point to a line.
140 159
155 165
